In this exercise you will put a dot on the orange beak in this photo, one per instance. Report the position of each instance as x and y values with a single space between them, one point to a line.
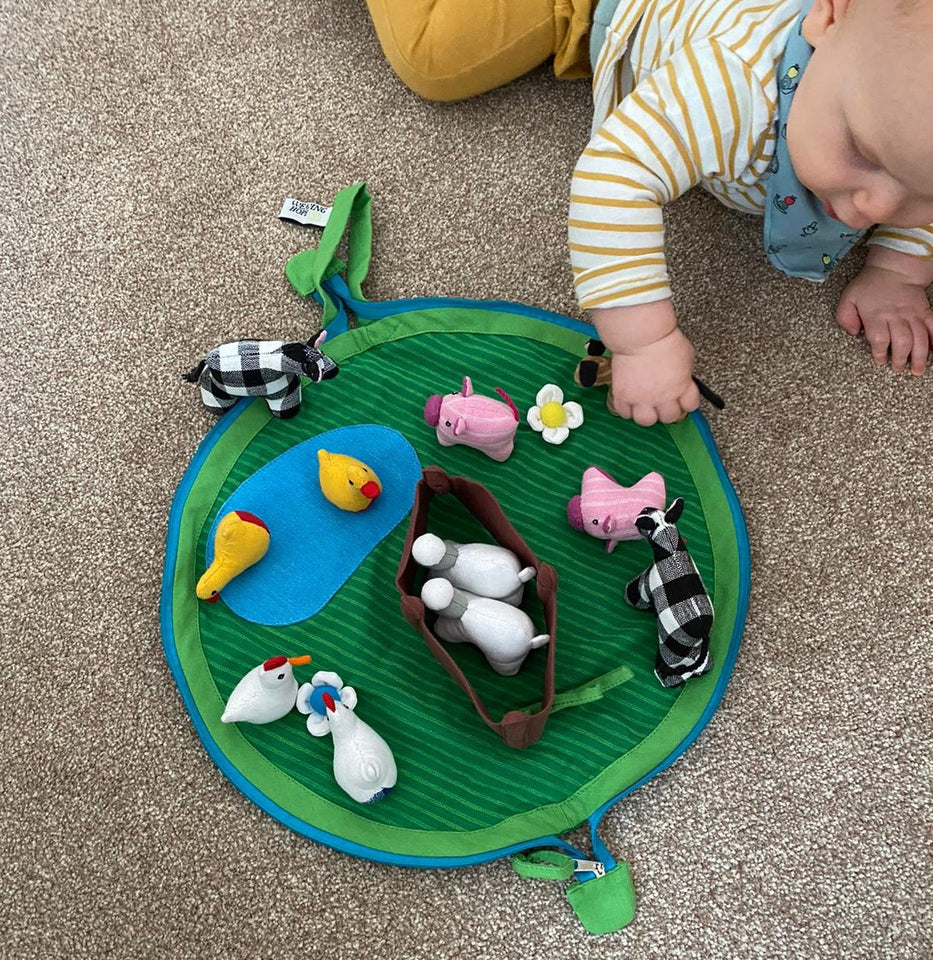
299 661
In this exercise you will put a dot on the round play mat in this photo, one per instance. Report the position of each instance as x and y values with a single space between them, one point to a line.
327 587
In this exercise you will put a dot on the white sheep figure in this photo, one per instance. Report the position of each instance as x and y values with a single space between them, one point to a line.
504 634
484 569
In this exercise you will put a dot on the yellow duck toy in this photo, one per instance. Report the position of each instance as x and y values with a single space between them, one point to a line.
347 482
241 540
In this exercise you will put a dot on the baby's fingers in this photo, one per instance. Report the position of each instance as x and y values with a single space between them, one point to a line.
690 398
920 351
909 340
671 412
847 317
644 415
878 335
619 408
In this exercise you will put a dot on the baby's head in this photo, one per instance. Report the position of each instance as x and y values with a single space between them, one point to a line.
860 130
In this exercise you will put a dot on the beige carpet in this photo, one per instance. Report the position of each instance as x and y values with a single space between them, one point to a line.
145 149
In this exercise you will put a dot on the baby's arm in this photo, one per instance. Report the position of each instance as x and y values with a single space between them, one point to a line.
888 299
693 118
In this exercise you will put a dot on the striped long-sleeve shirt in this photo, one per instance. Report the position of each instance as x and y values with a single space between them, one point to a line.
685 94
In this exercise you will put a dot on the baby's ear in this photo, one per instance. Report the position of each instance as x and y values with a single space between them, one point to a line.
823 15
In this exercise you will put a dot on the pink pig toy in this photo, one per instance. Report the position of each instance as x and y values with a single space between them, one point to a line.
607 510
474 420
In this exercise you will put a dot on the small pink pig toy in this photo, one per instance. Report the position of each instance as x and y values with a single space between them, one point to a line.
474 420
607 510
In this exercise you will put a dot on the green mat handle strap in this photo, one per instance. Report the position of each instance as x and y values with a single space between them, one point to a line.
351 215
587 692
543 865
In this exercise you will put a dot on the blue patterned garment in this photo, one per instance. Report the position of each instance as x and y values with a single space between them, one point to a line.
801 238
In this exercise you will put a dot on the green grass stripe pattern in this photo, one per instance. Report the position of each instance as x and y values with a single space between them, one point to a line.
456 778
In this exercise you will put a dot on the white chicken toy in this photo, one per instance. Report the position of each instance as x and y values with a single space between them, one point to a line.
486 569
364 766
266 693
363 763
505 634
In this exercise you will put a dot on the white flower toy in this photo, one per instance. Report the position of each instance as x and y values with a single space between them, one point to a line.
553 418
310 700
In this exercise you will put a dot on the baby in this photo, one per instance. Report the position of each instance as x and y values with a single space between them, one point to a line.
829 114
816 113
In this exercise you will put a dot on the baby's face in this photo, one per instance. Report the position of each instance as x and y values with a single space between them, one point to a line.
860 130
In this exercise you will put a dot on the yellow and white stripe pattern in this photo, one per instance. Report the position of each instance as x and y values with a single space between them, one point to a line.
684 95
916 242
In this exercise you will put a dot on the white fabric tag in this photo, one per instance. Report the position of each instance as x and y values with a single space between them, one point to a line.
304 212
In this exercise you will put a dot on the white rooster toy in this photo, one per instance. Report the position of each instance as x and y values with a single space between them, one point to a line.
266 693
364 766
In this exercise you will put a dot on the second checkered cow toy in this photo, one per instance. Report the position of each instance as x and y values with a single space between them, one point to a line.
271 369
673 589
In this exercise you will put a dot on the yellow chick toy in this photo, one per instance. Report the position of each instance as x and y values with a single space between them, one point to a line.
347 482
241 540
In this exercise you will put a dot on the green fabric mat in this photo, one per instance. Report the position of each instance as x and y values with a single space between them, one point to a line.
461 791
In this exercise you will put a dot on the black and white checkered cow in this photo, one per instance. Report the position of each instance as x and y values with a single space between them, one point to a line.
673 588
261 368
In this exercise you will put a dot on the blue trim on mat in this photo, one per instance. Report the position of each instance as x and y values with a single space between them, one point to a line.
337 288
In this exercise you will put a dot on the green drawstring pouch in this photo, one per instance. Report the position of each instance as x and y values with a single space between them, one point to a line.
468 791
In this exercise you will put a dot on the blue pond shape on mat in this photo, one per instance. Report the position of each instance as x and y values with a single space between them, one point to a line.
314 547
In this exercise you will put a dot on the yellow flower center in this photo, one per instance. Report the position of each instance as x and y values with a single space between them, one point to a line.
552 414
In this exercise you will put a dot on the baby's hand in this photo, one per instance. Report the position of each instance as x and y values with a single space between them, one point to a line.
655 382
888 301
652 362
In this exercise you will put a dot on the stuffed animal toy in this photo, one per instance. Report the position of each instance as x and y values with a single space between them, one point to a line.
673 589
241 540
595 370
347 482
505 634
486 569
364 766
261 368
266 693
473 420
606 510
